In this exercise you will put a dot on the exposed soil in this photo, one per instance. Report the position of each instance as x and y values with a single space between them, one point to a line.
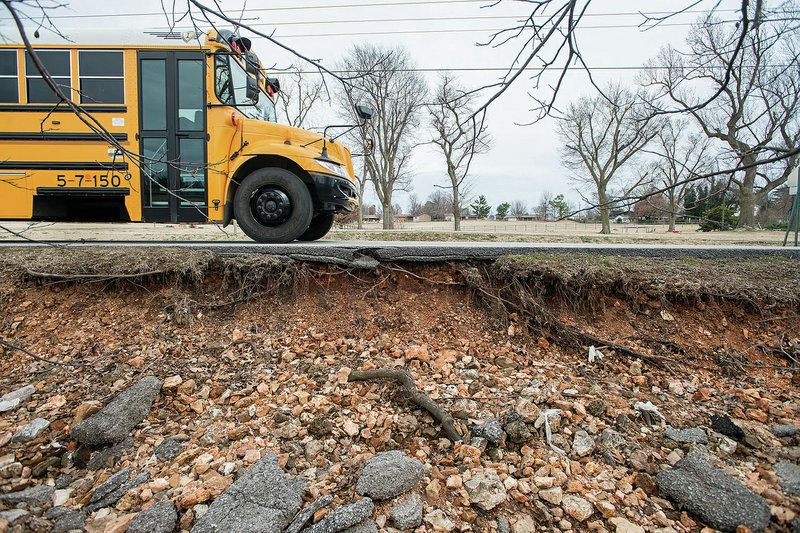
263 347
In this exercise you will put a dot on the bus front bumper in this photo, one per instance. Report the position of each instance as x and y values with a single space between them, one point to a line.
335 193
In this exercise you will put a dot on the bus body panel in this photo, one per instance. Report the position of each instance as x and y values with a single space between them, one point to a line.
49 156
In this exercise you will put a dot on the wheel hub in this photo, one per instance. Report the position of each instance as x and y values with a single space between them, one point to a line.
271 206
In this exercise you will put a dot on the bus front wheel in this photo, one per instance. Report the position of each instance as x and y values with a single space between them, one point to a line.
320 226
272 205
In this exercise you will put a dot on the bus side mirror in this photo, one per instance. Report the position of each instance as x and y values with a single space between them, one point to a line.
364 112
252 89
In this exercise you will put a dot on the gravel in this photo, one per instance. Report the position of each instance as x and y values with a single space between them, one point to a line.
160 518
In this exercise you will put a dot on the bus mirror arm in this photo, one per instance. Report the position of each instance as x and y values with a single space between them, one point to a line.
364 113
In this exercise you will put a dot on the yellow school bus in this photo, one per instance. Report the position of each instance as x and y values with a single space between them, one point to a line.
194 132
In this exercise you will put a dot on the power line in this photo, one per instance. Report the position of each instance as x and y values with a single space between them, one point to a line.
472 30
505 69
521 18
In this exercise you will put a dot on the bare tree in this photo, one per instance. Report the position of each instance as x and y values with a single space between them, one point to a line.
458 139
600 135
542 210
414 205
438 204
682 154
300 94
757 113
518 209
385 80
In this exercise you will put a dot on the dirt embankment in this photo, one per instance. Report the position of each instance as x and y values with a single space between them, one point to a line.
255 353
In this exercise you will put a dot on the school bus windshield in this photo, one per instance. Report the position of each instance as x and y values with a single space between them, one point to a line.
231 81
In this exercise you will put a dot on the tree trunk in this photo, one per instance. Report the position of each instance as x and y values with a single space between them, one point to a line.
747 198
456 209
605 211
388 213
673 212
360 213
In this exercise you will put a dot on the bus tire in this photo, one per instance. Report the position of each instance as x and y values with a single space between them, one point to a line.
320 226
272 205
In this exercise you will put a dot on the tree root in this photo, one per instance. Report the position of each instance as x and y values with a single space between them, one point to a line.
415 395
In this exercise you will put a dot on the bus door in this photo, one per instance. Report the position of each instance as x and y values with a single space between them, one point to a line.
172 133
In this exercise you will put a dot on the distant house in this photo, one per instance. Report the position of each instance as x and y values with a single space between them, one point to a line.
371 217
403 218
424 217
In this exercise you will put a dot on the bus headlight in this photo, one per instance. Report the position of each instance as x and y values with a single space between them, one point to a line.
333 168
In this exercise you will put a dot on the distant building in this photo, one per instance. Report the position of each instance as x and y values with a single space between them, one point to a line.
403 218
424 217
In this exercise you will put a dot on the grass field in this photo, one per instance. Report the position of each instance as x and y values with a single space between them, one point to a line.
479 231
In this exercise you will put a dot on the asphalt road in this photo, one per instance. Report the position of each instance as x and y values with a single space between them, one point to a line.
368 253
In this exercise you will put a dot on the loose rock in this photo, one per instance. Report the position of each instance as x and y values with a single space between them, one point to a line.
486 490
38 495
712 495
31 430
262 500
160 518
727 427
789 475
784 430
577 508
582 443
687 436
389 474
491 430
407 512
116 420
343 517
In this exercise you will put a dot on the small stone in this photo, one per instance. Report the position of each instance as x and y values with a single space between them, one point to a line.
727 427
65 520
635 369
31 431
577 508
553 495
624 526
491 430
37 495
13 515
351 428
784 430
606 509
343 517
611 439
22 394
789 476
85 410
647 483
518 431
523 524
168 450
439 521
8 405
570 393
527 409
406 513
687 436
676 387
486 490
389 474
596 408
582 443
171 383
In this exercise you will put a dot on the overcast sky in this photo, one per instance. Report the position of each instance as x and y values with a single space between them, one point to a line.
524 160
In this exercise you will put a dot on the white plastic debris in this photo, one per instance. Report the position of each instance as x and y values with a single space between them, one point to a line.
547 433
649 411
595 353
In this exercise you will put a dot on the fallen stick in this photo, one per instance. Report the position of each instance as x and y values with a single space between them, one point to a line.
417 396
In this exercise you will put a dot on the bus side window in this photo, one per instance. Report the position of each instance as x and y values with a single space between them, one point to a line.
8 77
222 79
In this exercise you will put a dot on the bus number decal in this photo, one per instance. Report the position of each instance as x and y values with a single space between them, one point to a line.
93 180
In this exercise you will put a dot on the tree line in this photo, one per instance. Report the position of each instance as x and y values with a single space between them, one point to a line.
714 103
